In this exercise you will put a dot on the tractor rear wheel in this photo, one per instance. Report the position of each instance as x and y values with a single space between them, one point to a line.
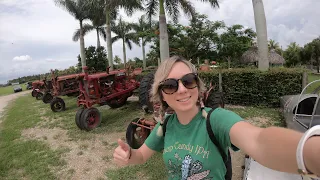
57 105
34 93
39 96
47 98
215 99
90 119
78 117
144 92
136 135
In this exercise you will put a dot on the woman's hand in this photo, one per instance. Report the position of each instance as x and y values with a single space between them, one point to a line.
122 153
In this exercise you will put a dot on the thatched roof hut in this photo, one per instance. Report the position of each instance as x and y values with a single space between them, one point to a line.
251 56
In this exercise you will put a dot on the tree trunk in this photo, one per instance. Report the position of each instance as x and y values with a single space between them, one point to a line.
144 55
109 43
164 41
229 62
98 39
262 37
124 53
318 64
82 50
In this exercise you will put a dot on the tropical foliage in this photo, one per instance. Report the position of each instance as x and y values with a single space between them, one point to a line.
96 59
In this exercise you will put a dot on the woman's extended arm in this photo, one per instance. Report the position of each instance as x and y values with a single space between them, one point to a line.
276 147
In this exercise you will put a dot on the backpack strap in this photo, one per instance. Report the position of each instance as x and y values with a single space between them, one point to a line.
164 125
213 138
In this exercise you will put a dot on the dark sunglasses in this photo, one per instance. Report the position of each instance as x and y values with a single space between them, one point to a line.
171 85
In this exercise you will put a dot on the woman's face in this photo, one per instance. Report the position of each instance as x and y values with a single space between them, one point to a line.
183 99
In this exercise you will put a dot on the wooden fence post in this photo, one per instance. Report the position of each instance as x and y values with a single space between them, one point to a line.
304 79
220 82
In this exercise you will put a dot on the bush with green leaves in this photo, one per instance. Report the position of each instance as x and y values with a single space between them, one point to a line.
251 87
96 59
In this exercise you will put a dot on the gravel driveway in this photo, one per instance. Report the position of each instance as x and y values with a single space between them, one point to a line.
4 100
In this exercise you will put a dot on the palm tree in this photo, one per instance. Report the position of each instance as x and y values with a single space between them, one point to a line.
273 44
98 20
143 30
172 8
262 36
122 31
100 29
79 10
292 54
111 9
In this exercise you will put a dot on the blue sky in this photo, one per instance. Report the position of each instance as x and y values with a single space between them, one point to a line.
36 35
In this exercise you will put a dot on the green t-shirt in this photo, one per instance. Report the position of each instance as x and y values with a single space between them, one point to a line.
188 151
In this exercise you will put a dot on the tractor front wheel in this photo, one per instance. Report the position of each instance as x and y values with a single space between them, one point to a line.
34 93
136 135
57 105
90 119
78 117
47 98
39 96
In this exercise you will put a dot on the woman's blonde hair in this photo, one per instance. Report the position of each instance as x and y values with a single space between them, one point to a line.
162 73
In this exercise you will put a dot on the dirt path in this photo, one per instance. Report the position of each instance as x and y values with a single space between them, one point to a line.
4 100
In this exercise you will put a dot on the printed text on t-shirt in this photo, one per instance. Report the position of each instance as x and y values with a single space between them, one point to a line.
198 150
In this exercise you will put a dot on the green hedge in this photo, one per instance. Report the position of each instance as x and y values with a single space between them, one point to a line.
256 88
251 87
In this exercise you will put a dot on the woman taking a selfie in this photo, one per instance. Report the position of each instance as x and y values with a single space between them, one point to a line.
188 151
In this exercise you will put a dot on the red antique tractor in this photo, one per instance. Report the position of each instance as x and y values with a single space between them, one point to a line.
61 86
40 87
139 129
111 87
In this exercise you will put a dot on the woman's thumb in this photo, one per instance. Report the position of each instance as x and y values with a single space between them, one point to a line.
123 145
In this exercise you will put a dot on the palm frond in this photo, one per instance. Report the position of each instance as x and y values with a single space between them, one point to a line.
102 32
173 9
152 8
86 29
114 13
128 42
69 6
114 39
213 3
76 35
133 37
188 8
130 6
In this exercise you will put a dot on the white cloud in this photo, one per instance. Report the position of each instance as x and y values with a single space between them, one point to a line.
22 58
51 60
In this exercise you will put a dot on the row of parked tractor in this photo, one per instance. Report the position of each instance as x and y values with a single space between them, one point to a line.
112 88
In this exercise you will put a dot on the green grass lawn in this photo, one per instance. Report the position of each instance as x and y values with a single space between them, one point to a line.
34 159
9 89
313 77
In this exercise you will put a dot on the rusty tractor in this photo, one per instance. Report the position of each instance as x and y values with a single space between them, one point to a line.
61 86
140 128
40 87
111 87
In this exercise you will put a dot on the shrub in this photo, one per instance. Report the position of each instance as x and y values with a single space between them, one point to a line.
257 88
251 87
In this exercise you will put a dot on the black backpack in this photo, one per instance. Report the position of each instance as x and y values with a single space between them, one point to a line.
226 157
